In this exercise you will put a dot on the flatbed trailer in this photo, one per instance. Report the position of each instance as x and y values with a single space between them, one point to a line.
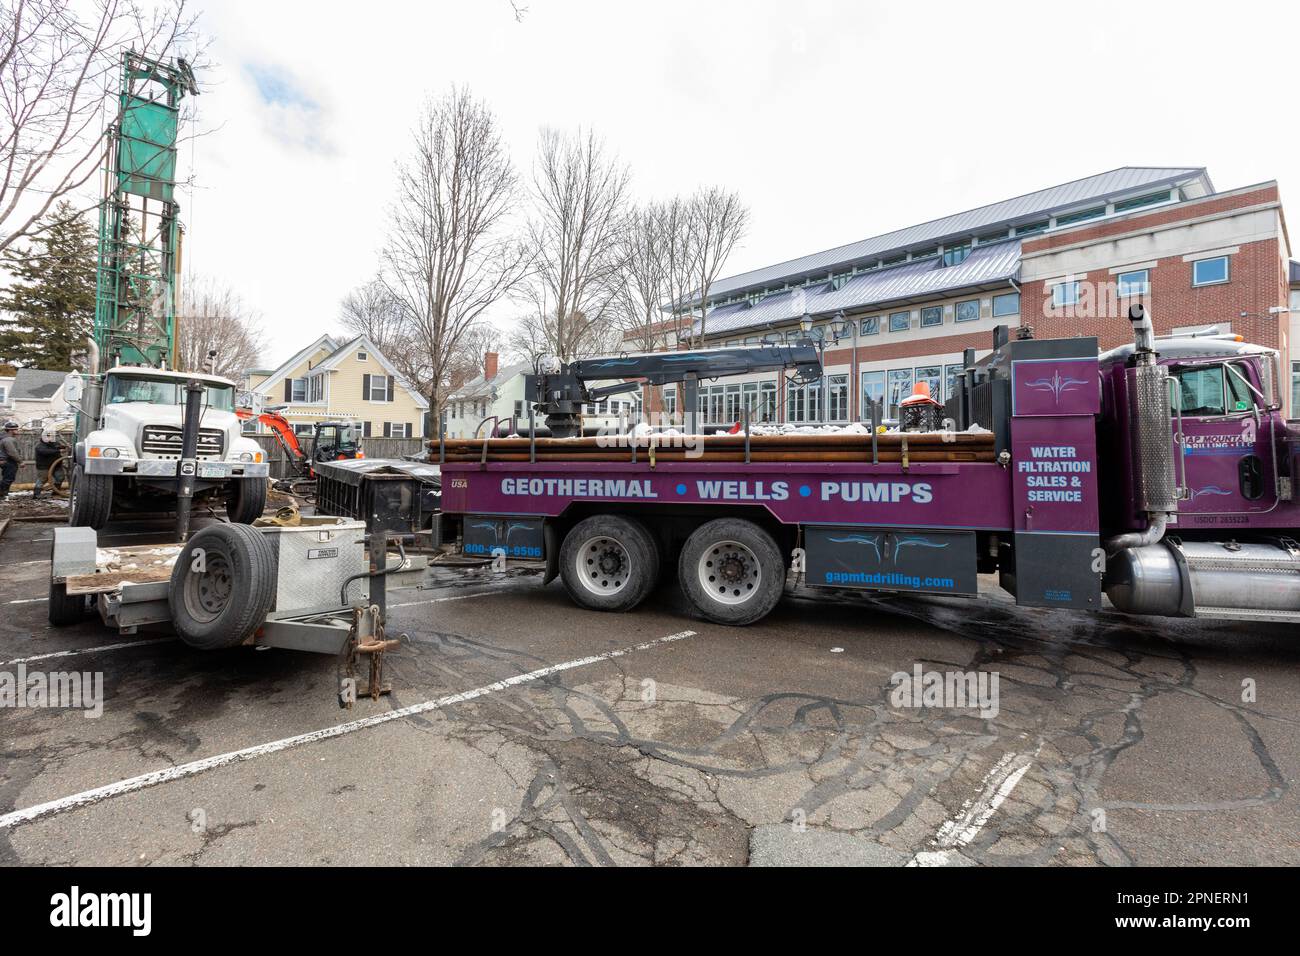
317 585
1092 474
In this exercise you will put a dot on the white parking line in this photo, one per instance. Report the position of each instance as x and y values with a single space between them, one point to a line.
131 784
975 811
85 650
29 600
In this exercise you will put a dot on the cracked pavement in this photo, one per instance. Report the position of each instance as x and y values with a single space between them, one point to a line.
1117 740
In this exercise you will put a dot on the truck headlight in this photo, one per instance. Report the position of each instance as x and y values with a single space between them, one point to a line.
245 456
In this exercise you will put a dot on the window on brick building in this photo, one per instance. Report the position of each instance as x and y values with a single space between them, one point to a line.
873 390
932 315
950 381
1070 218
968 311
952 255
1137 282
1030 228
932 375
871 325
1137 202
900 386
1210 271
900 321
1065 293
1006 304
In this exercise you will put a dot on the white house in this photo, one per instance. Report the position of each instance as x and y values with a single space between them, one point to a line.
36 397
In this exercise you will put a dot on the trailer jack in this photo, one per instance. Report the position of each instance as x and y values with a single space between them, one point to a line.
366 638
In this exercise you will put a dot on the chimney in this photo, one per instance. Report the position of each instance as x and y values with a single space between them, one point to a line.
490 365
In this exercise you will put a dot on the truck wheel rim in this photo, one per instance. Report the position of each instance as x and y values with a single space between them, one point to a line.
603 565
729 572
208 593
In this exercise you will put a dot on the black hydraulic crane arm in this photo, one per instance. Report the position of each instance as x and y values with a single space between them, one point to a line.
659 368
561 389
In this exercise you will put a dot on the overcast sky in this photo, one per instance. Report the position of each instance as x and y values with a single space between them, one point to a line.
835 121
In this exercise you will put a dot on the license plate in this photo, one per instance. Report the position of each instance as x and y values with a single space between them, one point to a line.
212 471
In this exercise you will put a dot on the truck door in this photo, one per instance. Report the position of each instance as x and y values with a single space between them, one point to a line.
1226 446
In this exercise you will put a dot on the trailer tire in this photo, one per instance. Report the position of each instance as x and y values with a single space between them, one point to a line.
65 608
246 500
732 571
609 563
91 499
220 600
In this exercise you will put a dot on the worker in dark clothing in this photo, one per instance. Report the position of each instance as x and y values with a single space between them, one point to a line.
10 457
48 451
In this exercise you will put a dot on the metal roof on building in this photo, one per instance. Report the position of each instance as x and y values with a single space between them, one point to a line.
964 224
923 278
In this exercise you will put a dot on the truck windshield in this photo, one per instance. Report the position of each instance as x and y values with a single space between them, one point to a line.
123 388
1204 390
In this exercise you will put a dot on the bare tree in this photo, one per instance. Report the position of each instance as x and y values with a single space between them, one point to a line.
59 62
448 256
645 254
467 364
214 318
533 337
580 196
372 310
718 221
680 255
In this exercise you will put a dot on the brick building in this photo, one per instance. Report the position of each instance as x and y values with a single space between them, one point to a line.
899 308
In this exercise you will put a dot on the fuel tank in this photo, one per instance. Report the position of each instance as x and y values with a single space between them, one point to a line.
1253 581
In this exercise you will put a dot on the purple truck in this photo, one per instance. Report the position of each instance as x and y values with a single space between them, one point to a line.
1159 473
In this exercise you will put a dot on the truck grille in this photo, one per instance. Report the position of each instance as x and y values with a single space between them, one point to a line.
165 442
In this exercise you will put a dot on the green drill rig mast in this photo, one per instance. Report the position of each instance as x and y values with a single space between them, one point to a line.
136 285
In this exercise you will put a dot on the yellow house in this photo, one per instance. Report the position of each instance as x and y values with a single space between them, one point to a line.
333 379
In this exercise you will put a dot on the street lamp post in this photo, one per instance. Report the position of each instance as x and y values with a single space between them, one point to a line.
839 330
806 326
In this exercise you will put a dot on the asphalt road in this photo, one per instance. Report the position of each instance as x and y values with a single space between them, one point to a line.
534 732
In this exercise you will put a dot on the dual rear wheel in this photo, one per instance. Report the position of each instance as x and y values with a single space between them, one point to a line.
730 569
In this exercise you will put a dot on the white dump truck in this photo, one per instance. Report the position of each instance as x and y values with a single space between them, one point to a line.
131 458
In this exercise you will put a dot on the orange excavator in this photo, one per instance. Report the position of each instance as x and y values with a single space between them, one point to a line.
331 441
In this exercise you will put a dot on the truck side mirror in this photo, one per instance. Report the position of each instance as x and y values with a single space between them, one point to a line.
73 388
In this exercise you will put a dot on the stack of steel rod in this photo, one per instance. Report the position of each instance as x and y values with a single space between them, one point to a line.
919 447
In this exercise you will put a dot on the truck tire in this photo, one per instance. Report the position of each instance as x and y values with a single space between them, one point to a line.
732 571
609 563
246 500
65 608
222 599
91 499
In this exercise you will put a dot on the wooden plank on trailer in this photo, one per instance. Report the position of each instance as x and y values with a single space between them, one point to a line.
111 580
